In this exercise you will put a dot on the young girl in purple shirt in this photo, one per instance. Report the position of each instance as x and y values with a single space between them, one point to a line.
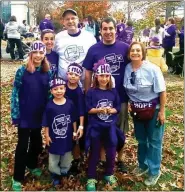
48 38
103 105
28 101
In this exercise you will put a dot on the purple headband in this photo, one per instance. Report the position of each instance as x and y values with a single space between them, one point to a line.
75 68
102 68
56 82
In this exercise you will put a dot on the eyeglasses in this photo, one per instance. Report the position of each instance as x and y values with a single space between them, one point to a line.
133 78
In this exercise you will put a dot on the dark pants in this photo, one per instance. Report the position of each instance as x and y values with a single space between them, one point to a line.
28 148
168 56
18 43
178 62
95 156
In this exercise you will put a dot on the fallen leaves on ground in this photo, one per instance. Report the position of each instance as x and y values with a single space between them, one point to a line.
173 148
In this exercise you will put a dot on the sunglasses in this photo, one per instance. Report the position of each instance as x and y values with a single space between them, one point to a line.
133 78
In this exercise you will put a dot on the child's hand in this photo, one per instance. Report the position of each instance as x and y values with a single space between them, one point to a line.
79 133
74 136
111 110
102 110
48 140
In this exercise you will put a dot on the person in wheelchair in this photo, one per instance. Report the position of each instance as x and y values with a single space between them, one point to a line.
178 57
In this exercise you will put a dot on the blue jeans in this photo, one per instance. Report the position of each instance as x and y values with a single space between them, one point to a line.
149 138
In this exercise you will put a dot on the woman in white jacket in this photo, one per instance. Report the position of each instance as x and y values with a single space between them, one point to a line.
12 30
157 31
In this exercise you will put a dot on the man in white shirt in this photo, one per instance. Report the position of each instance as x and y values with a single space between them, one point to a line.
72 44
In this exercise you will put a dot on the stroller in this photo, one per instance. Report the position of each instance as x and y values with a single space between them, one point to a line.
25 47
26 50
178 63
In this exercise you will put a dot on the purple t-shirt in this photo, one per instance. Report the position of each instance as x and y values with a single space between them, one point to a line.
60 119
126 35
116 56
96 98
53 58
77 96
103 126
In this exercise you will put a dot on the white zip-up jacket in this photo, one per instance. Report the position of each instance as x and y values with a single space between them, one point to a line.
12 29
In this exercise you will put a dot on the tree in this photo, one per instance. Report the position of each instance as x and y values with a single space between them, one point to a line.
40 8
118 15
97 9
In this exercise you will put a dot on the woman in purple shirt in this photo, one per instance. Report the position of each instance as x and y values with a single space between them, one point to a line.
169 40
48 37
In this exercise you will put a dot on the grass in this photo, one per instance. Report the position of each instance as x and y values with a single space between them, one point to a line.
172 164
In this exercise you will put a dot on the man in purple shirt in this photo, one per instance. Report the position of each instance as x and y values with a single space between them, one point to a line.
46 23
115 54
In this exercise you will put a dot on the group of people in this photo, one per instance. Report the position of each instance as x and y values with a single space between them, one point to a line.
166 35
80 91
13 32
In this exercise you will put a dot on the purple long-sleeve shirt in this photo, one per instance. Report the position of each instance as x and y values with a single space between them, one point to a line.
169 41
46 24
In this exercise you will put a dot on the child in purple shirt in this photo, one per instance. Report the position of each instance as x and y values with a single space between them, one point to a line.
59 121
74 93
103 105
48 38
28 101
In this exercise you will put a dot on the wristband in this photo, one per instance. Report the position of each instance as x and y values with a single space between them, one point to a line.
81 127
74 134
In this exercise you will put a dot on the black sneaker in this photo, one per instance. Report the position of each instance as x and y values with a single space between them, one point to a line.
121 167
74 167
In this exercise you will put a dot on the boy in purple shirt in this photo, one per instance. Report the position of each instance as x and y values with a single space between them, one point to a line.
59 121
74 93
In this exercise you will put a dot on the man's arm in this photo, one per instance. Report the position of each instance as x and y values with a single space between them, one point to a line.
88 79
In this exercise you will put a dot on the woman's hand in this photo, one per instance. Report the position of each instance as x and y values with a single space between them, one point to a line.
161 117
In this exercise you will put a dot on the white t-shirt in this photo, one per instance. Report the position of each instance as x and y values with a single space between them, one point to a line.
72 49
